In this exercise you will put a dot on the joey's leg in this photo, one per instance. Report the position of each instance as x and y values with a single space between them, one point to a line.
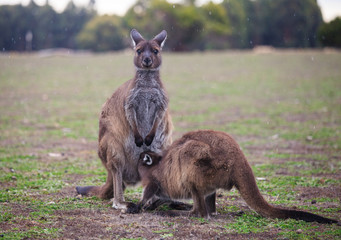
179 205
210 203
155 202
148 198
199 205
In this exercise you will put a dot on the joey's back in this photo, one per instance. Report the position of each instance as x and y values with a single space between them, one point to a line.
198 164
201 158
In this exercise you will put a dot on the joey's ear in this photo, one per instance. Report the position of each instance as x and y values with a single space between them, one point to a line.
136 37
161 38
147 160
159 158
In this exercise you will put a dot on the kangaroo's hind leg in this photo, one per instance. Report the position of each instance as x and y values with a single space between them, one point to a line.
118 201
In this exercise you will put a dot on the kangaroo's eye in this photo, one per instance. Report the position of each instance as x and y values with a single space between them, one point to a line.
139 51
155 51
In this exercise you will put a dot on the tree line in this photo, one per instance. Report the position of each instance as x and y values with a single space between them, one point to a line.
230 24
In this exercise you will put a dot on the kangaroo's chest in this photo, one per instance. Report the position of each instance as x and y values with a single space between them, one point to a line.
146 103
146 100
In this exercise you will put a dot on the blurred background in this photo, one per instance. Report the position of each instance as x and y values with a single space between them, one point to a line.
191 25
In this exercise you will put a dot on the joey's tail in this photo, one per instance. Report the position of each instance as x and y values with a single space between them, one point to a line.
246 184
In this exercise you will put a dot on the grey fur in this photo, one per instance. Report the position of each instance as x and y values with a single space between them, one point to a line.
146 103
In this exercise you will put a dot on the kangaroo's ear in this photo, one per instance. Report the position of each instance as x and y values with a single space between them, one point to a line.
136 37
161 38
147 160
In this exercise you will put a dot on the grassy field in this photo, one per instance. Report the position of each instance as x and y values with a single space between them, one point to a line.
284 109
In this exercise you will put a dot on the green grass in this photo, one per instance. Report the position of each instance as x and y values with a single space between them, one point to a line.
290 229
283 109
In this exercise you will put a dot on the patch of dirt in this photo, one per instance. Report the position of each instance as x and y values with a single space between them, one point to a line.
112 224
66 148
327 192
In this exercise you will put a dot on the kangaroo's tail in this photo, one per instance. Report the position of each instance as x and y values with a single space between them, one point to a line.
102 192
246 184
87 190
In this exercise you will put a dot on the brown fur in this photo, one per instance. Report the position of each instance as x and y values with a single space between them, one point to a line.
198 164
133 120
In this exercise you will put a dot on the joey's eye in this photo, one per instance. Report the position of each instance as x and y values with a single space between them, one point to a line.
155 51
139 51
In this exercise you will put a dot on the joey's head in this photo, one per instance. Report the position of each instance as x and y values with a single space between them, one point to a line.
149 159
147 53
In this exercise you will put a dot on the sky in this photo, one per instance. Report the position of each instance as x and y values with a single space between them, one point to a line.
330 8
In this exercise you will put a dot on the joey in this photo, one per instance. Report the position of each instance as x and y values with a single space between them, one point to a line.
198 164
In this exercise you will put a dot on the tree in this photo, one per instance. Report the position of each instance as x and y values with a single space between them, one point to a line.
71 22
229 24
45 24
184 23
330 33
14 25
237 15
102 33
290 23
217 28
47 28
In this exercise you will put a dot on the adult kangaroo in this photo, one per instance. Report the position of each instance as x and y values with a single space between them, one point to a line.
134 119
198 164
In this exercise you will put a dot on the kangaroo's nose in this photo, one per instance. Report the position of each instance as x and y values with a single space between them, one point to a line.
147 62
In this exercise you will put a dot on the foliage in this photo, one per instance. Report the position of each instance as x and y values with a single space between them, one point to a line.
238 14
102 33
183 22
71 22
330 33
217 26
49 29
229 24
290 23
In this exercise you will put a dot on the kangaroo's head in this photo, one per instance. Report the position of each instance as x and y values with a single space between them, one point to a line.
148 53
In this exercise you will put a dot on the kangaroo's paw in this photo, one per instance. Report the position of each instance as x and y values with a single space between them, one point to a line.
132 208
149 139
138 141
